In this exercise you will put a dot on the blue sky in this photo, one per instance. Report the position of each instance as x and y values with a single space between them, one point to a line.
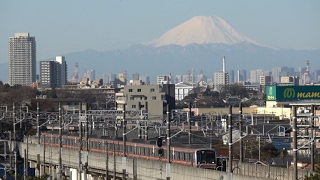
67 26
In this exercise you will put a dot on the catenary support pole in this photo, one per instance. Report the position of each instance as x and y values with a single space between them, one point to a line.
38 141
230 139
60 143
312 138
80 151
107 159
124 127
295 148
189 122
168 142
14 140
240 130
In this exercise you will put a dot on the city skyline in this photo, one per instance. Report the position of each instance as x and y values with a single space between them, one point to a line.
120 24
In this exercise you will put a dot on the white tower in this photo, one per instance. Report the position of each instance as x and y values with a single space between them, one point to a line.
224 64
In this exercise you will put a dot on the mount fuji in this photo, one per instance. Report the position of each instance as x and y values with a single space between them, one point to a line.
202 30
199 43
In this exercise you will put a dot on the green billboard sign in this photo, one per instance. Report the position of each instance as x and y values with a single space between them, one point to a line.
292 93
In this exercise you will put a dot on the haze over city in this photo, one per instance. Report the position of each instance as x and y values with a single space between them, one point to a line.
68 26
159 89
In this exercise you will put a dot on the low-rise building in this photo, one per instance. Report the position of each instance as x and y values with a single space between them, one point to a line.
151 98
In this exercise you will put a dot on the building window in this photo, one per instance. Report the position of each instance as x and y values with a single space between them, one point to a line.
130 90
152 90
163 97
141 106
139 90
131 98
154 98
133 106
145 98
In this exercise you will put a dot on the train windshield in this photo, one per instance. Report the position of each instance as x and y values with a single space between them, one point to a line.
205 157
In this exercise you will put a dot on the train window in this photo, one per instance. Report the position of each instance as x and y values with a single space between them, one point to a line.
143 151
186 156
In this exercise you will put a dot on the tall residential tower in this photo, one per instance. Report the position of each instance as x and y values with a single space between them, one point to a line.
22 59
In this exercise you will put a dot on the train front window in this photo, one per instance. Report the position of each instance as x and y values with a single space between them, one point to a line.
205 157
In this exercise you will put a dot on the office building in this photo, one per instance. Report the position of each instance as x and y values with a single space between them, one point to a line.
231 76
178 79
53 73
135 76
242 75
91 74
163 79
145 79
152 98
63 71
48 74
22 59
316 76
289 81
265 80
220 80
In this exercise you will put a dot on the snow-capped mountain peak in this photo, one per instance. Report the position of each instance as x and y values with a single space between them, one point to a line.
202 30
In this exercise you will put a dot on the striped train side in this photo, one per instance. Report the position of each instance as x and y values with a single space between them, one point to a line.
198 157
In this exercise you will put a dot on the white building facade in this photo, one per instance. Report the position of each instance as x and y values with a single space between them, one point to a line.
22 59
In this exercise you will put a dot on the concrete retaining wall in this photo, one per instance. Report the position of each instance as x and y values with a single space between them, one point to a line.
148 169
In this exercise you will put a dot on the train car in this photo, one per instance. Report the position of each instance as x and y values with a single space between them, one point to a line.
198 157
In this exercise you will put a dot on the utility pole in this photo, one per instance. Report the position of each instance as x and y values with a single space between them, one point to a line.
230 138
240 130
124 159
295 148
168 141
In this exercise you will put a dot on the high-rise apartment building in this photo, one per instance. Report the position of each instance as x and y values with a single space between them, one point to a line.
53 73
48 74
22 59
63 71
